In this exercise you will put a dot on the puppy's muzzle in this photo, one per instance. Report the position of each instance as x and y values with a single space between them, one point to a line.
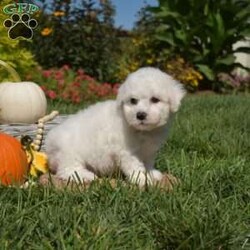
141 116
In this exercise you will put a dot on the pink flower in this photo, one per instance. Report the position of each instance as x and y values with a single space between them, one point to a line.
106 86
51 94
46 73
80 72
76 84
65 67
77 99
59 75
65 95
92 86
60 83
75 96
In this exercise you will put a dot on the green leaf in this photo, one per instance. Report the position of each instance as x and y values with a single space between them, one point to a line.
232 31
162 28
206 9
206 71
220 24
181 35
219 33
245 32
210 20
163 3
228 60
165 14
153 9
243 15
167 37
197 58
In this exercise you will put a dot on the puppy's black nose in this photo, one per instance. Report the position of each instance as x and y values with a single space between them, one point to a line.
141 116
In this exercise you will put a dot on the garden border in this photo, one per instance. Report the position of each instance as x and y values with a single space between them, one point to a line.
21 129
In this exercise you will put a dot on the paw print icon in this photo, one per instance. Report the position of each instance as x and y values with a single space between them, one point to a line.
20 26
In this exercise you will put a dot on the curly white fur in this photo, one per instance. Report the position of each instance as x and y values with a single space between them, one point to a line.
122 134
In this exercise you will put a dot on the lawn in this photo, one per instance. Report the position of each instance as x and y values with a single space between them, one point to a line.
208 150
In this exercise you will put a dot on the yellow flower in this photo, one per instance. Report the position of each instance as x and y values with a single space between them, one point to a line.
133 66
199 76
169 66
46 31
149 61
59 13
195 83
38 162
180 60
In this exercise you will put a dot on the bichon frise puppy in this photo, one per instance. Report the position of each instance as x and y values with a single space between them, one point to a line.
123 134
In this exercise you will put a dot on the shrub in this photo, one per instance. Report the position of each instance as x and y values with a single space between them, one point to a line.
128 61
80 35
234 82
140 53
64 84
143 50
11 51
183 72
202 32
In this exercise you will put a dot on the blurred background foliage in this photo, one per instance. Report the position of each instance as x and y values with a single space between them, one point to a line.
192 40
81 35
201 32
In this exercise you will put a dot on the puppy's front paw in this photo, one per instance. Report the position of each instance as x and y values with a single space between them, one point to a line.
155 175
151 177
141 179
168 182
155 178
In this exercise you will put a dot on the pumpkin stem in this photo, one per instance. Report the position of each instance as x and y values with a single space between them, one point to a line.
11 70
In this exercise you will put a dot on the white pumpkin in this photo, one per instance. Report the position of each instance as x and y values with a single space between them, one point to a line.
21 102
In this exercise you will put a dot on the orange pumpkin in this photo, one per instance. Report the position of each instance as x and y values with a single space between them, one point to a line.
13 161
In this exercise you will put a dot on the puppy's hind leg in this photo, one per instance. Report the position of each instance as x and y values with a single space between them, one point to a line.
74 171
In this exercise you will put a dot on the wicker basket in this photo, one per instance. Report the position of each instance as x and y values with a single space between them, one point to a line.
18 130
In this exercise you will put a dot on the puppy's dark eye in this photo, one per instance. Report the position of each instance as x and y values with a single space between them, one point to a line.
154 100
133 101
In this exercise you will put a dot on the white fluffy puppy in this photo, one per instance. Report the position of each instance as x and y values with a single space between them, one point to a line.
122 134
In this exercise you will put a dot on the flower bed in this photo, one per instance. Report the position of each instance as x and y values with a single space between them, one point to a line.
72 86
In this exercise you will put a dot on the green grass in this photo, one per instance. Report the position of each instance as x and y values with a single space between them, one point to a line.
208 149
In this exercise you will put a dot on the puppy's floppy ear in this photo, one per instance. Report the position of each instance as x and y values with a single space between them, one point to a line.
120 95
176 95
